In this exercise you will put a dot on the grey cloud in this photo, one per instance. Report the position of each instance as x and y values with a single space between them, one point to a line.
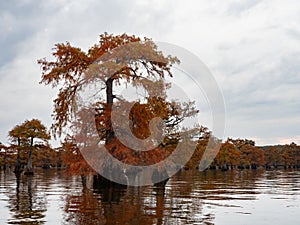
293 33
255 60
35 28
238 7
19 22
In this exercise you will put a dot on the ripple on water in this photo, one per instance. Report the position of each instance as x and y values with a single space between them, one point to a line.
190 197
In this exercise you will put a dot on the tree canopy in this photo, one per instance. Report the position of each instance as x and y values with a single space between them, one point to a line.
114 61
29 130
23 136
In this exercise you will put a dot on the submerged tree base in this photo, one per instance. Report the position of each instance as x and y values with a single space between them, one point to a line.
17 171
28 173
163 176
100 182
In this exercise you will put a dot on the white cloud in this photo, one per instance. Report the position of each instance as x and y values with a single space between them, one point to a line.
252 47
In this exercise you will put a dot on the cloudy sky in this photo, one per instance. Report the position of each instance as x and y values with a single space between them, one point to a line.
252 47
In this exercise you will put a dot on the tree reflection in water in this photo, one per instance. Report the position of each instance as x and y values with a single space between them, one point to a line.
134 205
26 204
112 205
189 197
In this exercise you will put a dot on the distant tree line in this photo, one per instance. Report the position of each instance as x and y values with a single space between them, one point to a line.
244 154
29 147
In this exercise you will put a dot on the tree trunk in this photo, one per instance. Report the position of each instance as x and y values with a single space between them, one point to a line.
29 170
83 181
18 166
29 162
224 167
5 160
161 176
109 100
115 173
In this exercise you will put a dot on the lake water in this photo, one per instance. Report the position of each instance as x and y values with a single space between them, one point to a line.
190 197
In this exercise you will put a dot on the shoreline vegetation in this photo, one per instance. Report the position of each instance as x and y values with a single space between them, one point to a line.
233 154
239 154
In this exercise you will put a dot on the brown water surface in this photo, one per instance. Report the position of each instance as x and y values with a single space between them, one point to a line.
190 197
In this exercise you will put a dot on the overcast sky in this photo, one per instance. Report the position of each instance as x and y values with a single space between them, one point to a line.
252 47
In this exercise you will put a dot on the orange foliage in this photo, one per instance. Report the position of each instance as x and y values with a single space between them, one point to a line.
115 60
228 155
73 158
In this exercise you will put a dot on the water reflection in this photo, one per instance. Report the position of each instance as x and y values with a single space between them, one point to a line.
112 205
26 205
190 197
179 202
